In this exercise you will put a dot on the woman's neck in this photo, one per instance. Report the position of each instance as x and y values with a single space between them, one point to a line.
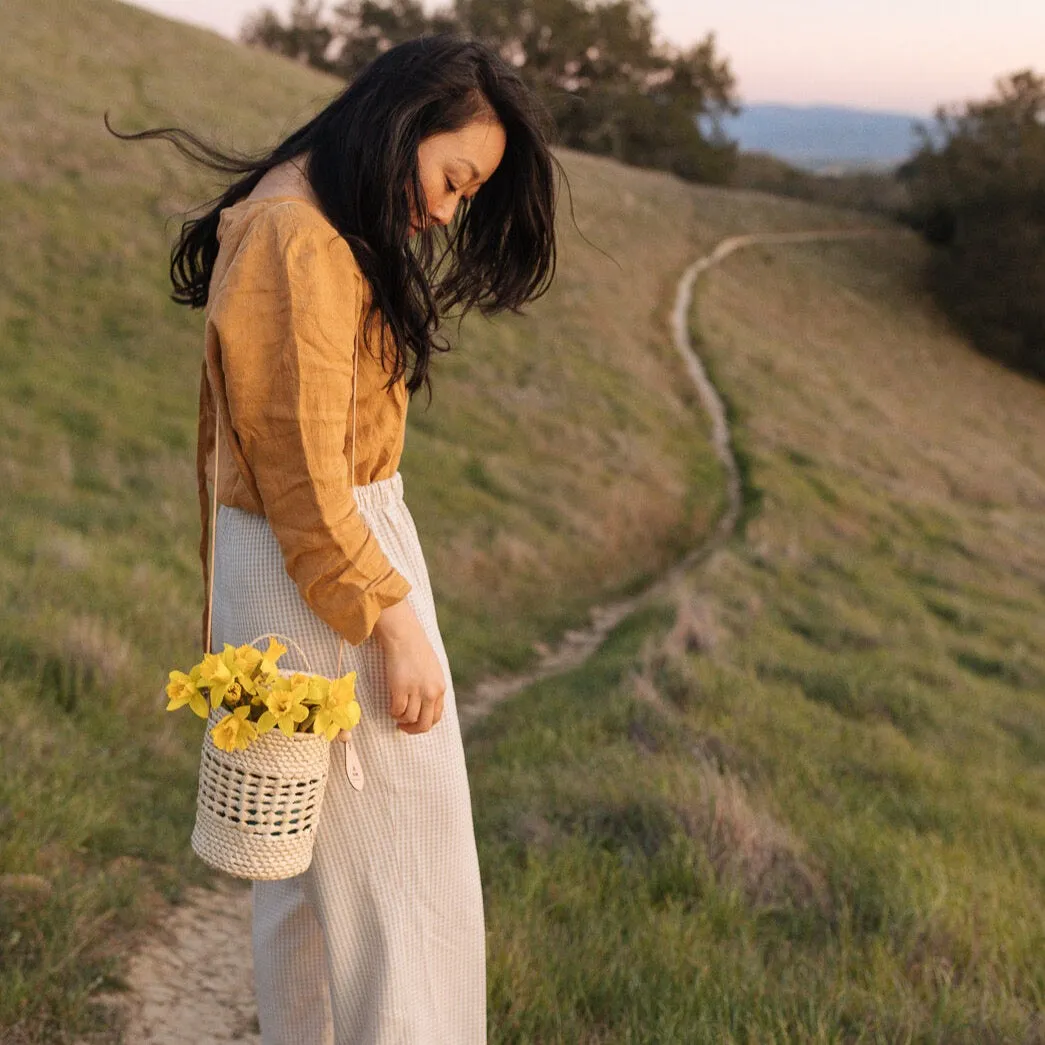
286 179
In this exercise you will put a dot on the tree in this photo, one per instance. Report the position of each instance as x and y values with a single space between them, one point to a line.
978 190
365 29
610 85
304 38
985 149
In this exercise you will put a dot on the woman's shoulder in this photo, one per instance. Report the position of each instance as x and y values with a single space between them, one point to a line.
285 227
275 208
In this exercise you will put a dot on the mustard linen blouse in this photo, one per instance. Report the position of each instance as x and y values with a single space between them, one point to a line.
283 320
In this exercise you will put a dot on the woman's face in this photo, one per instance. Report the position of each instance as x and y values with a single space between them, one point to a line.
454 165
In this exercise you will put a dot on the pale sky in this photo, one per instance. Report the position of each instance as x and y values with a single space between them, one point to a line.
899 55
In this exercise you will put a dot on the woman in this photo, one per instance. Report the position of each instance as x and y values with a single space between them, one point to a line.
427 185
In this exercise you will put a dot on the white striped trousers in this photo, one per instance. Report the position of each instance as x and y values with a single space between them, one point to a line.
381 941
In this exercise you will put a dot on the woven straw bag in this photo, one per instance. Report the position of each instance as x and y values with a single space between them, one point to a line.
257 809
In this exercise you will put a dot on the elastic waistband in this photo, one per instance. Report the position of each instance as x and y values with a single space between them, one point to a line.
380 493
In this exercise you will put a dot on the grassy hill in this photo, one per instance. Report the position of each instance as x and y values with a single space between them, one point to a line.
804 803
561 462
101 370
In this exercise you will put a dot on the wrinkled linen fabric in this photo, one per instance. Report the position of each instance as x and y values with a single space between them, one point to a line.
284 341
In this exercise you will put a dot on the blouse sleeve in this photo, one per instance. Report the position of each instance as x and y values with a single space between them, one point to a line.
286 316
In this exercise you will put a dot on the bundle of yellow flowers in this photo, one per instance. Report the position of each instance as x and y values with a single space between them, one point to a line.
260 696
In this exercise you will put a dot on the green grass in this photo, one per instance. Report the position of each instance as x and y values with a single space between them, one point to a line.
803 802
812 809
562 462
576 407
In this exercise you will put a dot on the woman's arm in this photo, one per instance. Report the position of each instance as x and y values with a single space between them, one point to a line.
284 321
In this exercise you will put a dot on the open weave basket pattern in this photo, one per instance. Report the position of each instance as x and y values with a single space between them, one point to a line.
257 809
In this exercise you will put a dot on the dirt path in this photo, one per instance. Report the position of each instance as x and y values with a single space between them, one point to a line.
191 984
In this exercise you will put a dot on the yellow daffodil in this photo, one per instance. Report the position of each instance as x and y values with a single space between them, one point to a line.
245 663
243 677
228 675
183 689
234 732
285 708
266 687
285 683
234 693
217 673
337 709
247 657
270 656
344 688
318 690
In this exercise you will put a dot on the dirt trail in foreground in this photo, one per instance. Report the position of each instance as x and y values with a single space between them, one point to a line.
191 983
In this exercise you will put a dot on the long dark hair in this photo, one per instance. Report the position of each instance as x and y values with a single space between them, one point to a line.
498 254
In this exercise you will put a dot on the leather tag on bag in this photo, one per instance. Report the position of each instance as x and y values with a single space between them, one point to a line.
353 767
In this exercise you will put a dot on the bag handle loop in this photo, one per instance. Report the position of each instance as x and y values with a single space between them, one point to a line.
290 642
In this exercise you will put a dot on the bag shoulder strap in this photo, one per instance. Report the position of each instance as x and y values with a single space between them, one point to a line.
214 505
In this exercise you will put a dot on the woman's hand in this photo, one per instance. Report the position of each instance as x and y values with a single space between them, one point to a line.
416 683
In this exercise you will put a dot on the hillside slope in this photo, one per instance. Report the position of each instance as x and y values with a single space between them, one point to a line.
101 370
564 459
804 801
544 428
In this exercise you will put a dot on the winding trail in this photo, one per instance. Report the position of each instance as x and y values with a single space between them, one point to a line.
192 982
577 646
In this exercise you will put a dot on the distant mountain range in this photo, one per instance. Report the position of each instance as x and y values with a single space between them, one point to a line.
824 137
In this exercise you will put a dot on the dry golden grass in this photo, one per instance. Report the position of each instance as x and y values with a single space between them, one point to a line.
563 459
907 401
